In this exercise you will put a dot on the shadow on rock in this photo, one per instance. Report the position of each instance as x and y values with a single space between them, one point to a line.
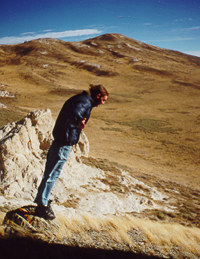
35 249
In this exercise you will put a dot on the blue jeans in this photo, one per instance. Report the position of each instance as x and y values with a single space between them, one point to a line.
56 158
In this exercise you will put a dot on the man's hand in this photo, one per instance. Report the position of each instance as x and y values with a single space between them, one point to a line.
82 124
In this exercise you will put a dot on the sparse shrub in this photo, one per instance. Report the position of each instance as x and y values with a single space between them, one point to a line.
161 215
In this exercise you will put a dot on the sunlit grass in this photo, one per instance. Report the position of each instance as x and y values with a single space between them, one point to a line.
117 230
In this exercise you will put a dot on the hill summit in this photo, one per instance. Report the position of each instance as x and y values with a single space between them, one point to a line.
151 121
145 138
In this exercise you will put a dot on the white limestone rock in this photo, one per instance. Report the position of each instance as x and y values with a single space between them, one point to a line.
83 188
23 149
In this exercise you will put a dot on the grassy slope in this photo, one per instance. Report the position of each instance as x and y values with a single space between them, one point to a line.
139 237
151 121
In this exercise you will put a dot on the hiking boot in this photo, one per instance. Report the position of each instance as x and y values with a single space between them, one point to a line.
45 212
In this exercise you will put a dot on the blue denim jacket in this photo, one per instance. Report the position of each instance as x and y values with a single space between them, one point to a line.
67 127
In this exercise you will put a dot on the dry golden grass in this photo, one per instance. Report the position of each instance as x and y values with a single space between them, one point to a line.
115 230
125 233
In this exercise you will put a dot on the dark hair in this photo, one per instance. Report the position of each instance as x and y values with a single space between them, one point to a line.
97 89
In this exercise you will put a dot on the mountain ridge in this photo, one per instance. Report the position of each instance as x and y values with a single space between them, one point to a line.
149 127
154 93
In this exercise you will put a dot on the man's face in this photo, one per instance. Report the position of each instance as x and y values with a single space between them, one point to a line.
101 99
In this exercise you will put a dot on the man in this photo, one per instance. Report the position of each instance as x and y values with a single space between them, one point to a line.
69 124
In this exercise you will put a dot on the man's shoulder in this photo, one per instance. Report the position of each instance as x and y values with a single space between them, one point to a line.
85 94
84 97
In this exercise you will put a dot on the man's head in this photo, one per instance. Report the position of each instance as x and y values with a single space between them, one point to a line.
99 94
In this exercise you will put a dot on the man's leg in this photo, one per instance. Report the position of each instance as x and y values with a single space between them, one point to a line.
56 158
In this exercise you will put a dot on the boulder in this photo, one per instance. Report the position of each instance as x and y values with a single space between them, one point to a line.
22 221
23 149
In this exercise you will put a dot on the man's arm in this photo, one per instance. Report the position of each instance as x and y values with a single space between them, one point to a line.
79 114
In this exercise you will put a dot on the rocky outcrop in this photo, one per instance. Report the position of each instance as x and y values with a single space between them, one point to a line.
81 187
23 149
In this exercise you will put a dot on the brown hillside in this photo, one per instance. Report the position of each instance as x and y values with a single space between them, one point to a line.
151 122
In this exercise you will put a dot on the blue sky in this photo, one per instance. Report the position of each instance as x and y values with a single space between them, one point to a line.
171 24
